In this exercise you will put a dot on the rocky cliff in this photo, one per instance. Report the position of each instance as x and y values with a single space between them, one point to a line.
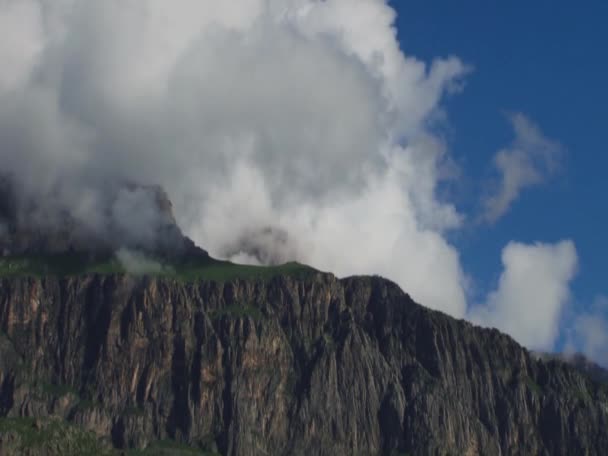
308 365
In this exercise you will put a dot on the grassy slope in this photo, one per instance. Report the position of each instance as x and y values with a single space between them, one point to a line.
190 270
53 436
48 436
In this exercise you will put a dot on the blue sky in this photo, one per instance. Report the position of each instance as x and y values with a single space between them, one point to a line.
546 59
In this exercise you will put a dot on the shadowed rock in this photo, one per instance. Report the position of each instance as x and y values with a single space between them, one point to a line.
285 366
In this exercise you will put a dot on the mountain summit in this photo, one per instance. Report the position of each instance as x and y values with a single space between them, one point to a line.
207 357
133 216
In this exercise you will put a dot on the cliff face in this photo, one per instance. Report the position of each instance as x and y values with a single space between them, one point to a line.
284 366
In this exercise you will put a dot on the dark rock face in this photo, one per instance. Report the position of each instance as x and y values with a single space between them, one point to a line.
317 366
581 363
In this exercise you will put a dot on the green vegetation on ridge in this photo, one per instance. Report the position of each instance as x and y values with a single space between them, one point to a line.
187 270
48 436
169 448
54 436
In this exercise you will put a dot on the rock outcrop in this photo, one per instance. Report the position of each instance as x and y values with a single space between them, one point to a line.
284 366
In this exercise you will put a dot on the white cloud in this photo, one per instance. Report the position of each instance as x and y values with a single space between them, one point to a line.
294 127
527 162
365 28
532 293
21 40
590 332
375 231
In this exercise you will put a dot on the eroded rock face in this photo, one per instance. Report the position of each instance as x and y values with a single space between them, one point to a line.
311 366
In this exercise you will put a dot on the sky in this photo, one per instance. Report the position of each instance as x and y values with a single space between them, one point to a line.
453 148
547 60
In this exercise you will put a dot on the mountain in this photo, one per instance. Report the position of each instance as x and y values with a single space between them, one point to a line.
298 363
581 363
126 215
200 356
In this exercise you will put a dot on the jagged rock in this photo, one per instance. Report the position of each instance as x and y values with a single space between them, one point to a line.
284 366
580 362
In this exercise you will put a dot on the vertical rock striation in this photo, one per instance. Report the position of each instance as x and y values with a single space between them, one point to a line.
284 366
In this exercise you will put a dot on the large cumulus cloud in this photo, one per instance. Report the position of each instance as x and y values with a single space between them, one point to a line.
532 293
297 117
282 130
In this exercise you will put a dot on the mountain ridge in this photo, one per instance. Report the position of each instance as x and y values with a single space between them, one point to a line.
284 365
192 355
